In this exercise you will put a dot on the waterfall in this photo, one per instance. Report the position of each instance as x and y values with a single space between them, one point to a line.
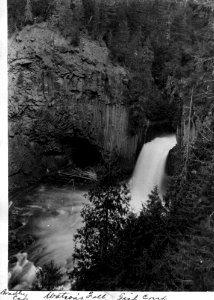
150 170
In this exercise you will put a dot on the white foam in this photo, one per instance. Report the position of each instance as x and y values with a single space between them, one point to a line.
150 170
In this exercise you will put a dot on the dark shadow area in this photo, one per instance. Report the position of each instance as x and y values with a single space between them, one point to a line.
83 152
172 161
158 130
154 130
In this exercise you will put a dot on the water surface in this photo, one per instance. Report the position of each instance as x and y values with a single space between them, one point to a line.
51 215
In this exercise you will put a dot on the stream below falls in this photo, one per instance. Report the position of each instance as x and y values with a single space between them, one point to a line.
51 215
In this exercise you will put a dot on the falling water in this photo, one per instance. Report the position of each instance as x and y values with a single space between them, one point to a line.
52 214
150 170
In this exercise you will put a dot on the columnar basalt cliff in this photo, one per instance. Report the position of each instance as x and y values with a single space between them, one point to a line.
57 92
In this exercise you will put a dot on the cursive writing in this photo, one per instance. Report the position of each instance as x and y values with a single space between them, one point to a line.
16 295
20 295
140 296
100 296
78 296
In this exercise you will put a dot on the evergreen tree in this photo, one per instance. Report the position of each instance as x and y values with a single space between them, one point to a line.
48 277
167 50
120 42
28 12
103 219
134 256
16 18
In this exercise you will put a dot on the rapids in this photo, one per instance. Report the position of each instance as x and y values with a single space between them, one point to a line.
52 216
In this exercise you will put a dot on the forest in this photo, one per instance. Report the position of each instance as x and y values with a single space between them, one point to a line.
167 49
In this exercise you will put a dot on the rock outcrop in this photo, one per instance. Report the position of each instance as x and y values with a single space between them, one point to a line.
56 92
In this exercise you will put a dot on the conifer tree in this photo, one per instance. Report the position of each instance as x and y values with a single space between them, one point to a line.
28 12
103 219
120 42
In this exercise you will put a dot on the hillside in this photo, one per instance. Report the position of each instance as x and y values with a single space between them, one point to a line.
106 77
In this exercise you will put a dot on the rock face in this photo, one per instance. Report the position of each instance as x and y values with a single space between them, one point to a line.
56 92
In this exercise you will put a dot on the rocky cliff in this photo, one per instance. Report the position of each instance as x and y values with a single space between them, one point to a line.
58 92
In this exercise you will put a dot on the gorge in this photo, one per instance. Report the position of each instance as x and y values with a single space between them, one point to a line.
62 101
52 215
111 140
56 92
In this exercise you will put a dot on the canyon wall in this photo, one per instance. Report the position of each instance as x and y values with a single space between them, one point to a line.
58 91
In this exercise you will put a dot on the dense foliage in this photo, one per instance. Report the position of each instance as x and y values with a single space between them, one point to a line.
104 219
48 277
23 12
167 48
168 247
163 44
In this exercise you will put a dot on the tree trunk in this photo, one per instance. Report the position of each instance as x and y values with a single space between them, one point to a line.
188 135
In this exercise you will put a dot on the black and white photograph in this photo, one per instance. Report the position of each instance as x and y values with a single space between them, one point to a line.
110 114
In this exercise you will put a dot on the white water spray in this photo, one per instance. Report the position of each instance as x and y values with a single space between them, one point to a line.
150 170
